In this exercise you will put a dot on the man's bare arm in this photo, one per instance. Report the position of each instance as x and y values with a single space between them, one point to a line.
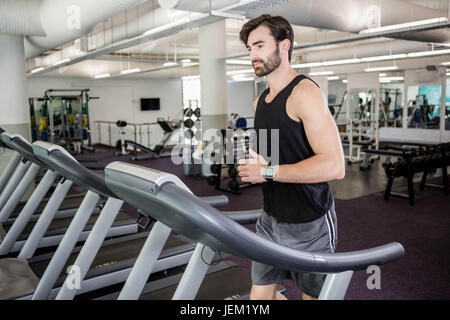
328 162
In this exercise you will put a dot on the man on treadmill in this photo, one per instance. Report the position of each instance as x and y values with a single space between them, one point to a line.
298 209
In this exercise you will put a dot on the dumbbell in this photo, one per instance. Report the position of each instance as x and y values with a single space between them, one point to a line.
215 168
232 171
189 123
212 180
233 185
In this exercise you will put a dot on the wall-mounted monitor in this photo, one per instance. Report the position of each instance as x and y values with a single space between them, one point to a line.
149 104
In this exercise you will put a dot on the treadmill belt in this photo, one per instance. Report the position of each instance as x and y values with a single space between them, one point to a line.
68 203
59 225
226 281
117 253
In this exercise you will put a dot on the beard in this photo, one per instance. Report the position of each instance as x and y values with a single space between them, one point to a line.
272 63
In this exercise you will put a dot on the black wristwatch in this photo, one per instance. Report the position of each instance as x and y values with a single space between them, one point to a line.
269 173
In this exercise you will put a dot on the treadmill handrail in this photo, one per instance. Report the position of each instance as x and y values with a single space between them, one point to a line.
249 243
67 166
185 213
216 201
23 147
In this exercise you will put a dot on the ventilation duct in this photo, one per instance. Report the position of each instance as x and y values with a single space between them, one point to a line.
343 15
196 5
47 24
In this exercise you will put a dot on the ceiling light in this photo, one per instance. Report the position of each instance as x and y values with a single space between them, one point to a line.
428 53
382 74
393 78
230 73
239 62
381 58
336 62
130 71
186 61
307 65
321 73
100 76
170 64
37 69
239 79
445 63
404 25
190 64
344 81
61 62
166 26
333 78
381 68
384 80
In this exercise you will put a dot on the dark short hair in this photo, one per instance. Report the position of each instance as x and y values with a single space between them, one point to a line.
279 27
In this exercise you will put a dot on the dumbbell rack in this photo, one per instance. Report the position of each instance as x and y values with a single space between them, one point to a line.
426 161
234 185
192 135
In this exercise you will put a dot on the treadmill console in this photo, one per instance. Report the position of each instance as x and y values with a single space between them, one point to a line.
43 148
18 136
154 177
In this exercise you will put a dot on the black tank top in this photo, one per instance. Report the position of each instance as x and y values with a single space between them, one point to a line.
290 202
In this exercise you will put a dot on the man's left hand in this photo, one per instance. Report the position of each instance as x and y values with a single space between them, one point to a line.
252 170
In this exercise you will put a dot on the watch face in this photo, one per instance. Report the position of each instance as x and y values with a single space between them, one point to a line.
269 172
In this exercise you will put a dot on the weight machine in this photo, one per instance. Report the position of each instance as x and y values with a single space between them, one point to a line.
390 112
62 117
357 122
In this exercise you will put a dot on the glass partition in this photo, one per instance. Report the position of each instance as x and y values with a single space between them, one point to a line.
391 105
424 106
447 106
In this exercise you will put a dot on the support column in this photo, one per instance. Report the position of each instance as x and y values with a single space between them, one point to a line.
213 79
13 91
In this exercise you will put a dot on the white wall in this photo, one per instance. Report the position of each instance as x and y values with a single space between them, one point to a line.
120 100
240 97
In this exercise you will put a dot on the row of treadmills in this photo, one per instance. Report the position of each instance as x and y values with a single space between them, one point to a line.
52 247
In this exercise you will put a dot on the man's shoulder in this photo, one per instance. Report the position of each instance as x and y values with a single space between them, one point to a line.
306 87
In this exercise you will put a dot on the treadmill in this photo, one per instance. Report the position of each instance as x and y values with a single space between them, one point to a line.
16 232
10 167
41 277
16 171
164 197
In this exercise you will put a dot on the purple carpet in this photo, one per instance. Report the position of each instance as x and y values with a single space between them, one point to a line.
424 231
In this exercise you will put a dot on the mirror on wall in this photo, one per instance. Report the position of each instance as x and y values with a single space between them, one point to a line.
424 106
337 91
447 106
391 105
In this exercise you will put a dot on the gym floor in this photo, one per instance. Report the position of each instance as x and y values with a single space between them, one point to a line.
365 220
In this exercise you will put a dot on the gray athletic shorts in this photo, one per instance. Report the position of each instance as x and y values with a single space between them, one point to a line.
319 235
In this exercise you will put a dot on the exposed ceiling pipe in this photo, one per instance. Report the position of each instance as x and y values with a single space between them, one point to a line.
387 47
202 6
195 21
357 15
65 20
343 15
147 21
